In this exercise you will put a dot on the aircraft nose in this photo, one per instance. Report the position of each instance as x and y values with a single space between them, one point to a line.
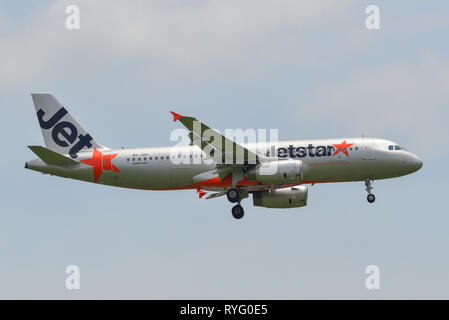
415 162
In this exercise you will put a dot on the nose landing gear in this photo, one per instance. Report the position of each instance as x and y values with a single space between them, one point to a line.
369 186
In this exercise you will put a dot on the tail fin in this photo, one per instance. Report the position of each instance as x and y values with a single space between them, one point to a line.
62 133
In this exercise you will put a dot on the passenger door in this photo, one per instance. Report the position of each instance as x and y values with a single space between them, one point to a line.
368 150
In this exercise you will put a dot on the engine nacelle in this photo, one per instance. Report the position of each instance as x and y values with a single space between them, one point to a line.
277 171
282 198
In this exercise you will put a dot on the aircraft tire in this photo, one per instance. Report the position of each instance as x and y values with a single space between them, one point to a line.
233 195
238 212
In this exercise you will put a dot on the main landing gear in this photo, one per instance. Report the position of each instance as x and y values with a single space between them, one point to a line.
369 186
234 196
237 211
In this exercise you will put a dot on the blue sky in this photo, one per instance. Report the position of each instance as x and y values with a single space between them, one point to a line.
310 70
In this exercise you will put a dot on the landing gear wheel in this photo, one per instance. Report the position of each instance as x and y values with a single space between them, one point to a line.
371 198
237 211
233 195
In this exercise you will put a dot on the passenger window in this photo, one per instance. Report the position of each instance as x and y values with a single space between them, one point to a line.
144 158
155 158
151 158
127 159
390 147
134 159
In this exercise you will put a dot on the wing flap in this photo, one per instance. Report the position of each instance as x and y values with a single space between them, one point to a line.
215 195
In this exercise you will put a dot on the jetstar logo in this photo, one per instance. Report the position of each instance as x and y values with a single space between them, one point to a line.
313 151
64 133
342 147
100 162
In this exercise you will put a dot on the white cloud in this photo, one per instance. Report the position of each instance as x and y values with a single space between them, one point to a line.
410 97
206 36
178 33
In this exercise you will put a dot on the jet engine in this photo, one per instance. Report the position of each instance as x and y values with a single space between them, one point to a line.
277 172
281 198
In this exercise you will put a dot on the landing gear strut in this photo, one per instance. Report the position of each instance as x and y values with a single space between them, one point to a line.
233 195
369 186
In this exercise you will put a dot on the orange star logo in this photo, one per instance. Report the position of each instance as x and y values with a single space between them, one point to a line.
100 162
342 147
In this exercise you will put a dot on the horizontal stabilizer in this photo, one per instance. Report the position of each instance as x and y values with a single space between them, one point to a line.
51 157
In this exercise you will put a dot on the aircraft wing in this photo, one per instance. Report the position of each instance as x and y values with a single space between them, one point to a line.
229 156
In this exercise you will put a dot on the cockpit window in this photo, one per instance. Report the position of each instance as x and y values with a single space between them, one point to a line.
395 147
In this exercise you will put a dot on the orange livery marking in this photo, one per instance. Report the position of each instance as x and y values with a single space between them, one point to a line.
342 147
100 162
176 116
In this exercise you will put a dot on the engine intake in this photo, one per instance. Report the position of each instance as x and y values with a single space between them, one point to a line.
277 171
281 198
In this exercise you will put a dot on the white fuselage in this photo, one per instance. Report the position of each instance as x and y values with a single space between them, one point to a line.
158 168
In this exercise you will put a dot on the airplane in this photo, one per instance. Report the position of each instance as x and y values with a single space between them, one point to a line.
275 174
